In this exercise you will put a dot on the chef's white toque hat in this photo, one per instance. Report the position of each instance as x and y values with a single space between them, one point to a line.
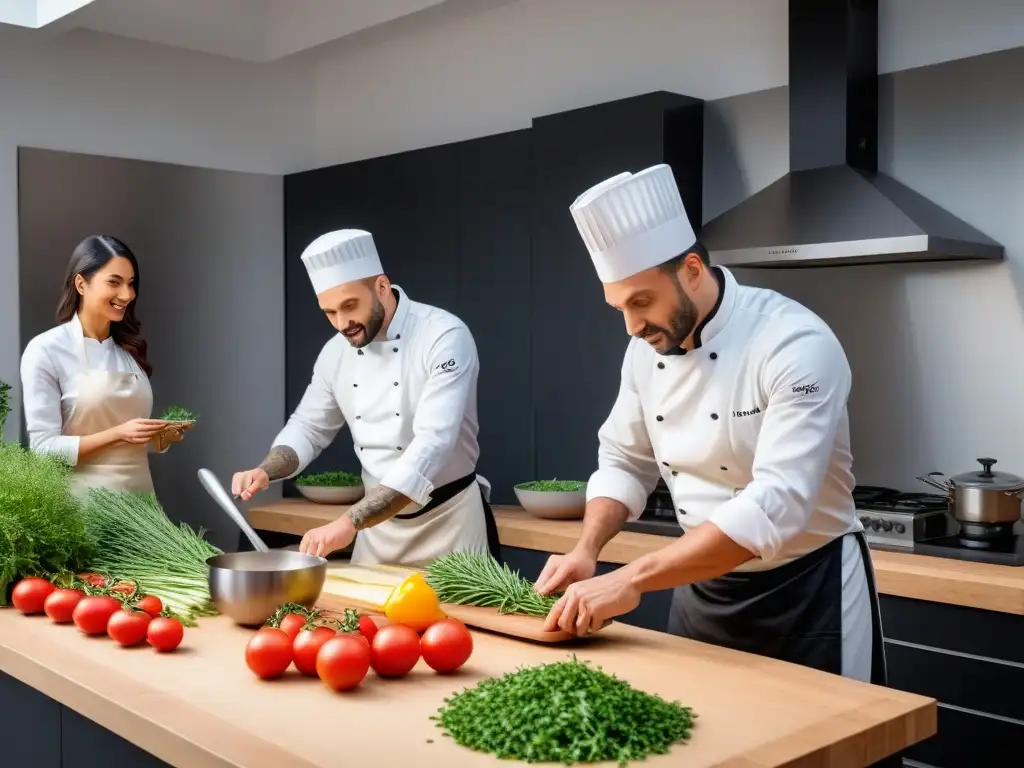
632 222
341 257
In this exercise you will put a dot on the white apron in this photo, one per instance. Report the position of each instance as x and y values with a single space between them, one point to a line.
107 399
458 524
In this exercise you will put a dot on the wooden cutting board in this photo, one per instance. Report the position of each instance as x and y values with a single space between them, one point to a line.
338 594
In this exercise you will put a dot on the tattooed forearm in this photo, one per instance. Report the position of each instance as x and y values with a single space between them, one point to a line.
378 505
280 462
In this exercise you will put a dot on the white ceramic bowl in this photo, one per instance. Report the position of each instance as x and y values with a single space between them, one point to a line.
328 494
553 505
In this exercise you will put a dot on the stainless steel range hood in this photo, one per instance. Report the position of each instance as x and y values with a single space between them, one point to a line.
834 207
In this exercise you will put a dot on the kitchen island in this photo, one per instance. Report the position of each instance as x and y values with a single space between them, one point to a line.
66 696
952 628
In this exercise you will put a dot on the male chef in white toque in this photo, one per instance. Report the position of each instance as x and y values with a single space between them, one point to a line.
736 397
403 376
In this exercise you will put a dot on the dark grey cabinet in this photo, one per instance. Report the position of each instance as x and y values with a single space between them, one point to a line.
38 732
578 340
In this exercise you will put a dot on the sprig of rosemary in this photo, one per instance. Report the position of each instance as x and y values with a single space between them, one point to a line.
467 578
566 712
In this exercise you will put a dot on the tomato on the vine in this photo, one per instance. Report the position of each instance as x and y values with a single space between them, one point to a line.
269 653
306 645
164 634
343 662
128 627
30 594
395 649
446 645
60 604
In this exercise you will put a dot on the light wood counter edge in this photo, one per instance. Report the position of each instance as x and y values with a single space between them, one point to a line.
940 580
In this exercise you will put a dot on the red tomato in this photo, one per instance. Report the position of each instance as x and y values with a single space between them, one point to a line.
367 628
93 579
60 604
292 623
127 628
124 587
446 645
343 662
306 646
151 604
164 634
269 653
93 612
30 594
395 649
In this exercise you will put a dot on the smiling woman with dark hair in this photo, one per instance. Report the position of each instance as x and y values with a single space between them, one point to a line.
86 383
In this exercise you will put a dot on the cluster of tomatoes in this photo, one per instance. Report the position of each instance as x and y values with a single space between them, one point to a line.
342 659
98 606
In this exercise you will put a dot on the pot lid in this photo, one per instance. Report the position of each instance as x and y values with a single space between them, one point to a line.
986 479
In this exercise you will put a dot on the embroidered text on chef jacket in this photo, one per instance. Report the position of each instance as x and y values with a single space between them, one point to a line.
749 429
409 401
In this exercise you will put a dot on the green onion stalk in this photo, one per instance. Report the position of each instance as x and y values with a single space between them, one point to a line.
136 541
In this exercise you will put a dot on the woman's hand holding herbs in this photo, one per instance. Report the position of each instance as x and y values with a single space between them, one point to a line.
138 431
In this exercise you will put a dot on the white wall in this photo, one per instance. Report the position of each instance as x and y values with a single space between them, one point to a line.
489 66
87 92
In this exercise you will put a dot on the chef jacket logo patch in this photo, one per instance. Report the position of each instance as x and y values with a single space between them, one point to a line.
806 389
752 412
448 366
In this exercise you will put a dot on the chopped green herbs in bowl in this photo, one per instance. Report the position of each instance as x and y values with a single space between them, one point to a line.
336 487
553 499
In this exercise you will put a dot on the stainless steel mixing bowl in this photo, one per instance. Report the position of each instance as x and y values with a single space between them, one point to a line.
250 586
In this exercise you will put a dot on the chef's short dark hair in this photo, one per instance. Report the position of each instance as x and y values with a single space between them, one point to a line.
673 264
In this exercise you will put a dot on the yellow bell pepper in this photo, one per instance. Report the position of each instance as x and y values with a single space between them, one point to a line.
414 604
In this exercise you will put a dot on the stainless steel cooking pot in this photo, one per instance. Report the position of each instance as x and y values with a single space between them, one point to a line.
982 497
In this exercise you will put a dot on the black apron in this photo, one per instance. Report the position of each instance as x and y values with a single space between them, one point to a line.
792 613
447 491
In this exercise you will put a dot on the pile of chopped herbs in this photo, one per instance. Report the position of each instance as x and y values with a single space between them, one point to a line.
553 486
177 413
42 531
336 479
566 712
468 578
136 541
5 404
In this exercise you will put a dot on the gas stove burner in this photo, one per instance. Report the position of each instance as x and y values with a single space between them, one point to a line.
985 535
877 499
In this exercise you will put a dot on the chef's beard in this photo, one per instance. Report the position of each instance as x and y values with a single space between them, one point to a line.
370 328
680 325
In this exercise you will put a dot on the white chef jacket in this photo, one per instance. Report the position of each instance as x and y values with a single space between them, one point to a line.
50 367
749 430
409 400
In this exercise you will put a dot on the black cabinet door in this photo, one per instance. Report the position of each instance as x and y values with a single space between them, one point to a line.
494 296
578 340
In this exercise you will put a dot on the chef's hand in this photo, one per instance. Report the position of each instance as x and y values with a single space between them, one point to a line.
328 538
586 605
246 484
138 431
562 570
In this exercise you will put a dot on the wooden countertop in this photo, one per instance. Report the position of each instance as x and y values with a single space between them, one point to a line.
201 707
940 580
